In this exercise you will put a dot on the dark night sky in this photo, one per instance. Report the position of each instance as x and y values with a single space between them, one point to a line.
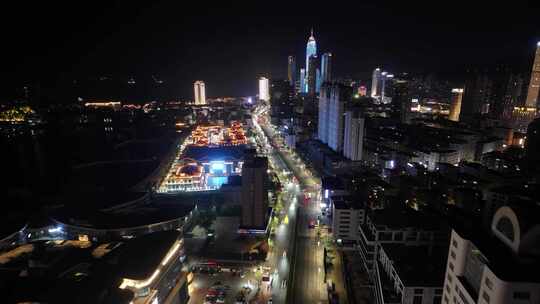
228 47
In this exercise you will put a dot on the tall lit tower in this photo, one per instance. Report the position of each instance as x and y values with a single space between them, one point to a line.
264 89
375 82
534 84
326 67
200 92
455 105
291 71
311 50
303 80
311 81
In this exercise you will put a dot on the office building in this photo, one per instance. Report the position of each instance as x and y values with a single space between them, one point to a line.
318 81
354 135
332 103
254 192
282 101
200 92
386 86
322 126
534 83
401 101
291 70
513 96
311 50
326 67
499 266
312 75
375 82
455 104
348 213
264 89
303 81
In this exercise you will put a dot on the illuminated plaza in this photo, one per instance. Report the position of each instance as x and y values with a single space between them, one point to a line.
206 159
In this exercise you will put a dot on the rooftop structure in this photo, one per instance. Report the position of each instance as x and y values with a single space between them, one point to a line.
131 271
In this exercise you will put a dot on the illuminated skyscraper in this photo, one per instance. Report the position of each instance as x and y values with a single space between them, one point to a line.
291 70
200 92
375 82
326 67
312 75
311 50
534 84
318 81
303 80
455 105
264 89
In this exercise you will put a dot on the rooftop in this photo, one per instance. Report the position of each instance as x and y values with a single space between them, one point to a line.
347 202
418 265
159 210
140 257
203 153
406 218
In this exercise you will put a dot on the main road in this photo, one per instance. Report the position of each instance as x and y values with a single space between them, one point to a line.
307 272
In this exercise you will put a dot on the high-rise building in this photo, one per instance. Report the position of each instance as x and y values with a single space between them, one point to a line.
375 82
354 135
326 67
282 101
312 75
455 104
362 91
200 92
401 100
291 70
303 81
264 89
311 50
318 81
332 103
534 83
322 126
476 96
513 95
497 267
254 192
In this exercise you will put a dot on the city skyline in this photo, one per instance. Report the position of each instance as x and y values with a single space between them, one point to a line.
114 46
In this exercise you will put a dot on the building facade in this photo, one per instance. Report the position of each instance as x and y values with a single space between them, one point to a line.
354 135
254 193
291 70
312 74
455 104
497 268
200 92
336 100
264 89
326 67
375 82
347 216
311 50
534 83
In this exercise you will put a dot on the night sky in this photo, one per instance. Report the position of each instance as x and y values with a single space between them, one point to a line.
229 46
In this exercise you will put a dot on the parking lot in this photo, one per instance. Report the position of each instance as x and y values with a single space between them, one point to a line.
230 285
